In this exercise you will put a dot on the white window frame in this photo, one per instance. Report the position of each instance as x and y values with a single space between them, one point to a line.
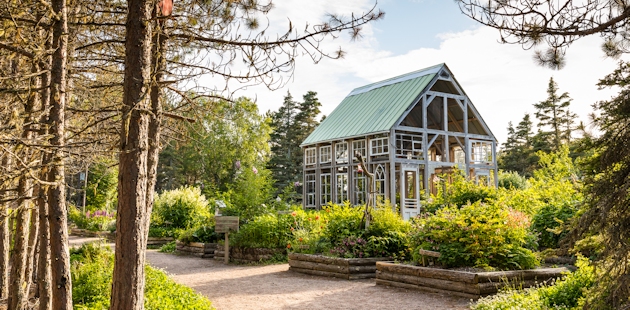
341 152
360 146
360 196
415 141
342 186
325 154
325 193
310 156
481 152
379 176
379 146
309 188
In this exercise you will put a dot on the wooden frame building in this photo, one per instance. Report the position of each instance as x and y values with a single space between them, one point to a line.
411 129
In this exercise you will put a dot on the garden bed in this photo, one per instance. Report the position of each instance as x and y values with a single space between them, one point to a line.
203 250
461 283
248 255
343 268
88 233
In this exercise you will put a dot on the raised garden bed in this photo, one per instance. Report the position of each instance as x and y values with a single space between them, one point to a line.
248 255
88 233
461 283
343 268
203 250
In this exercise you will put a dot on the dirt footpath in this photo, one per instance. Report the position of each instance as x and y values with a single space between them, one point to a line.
274 287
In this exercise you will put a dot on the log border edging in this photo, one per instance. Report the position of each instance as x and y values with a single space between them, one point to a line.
342 268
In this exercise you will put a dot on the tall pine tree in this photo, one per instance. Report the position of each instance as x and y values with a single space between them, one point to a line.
292 123
555 120
518 152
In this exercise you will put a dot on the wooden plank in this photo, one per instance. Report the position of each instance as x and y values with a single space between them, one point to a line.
424 289
541 274
318 266
320 273
226 224
362 269
455 286
429 253
434 273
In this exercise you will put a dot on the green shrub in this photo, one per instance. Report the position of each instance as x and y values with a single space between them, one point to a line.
92 269
459 191
548 219
270 231
307 232
98 220
102 185
164 232
342 221
168 247
479 235
567 293
203 234
512 180
182 208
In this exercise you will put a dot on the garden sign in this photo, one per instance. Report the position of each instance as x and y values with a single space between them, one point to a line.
226 224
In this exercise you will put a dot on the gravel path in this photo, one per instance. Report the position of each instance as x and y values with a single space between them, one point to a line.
275 287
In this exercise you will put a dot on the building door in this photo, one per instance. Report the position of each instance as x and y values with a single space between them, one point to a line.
410 196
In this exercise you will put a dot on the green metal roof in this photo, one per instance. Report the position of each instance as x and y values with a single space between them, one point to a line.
373 108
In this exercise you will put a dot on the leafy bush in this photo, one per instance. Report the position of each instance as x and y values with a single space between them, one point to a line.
203 234
342 221
270 231
102 184
512 180
567 293
459 192
182 208
92 268
547 219
98 220
479 235
169 247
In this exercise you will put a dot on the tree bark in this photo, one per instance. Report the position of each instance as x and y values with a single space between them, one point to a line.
19 277
59 252
5 241
44 289
132 214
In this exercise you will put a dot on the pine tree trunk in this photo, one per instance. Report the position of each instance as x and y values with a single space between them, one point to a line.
18 284
31 264
159 64
44 289
132 214
5 242
59 252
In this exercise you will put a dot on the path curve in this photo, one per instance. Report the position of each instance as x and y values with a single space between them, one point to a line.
275 287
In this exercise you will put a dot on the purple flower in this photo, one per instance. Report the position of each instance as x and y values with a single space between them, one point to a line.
297 183
255 170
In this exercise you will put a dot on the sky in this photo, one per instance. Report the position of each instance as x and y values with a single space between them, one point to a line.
502 80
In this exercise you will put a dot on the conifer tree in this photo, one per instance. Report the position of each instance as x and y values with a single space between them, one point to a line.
554 117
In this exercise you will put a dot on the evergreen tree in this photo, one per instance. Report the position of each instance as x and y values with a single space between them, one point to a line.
555 120
518 152
292 123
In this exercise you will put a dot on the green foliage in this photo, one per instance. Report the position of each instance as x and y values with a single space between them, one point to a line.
92 268
342 221
250 194
547 221
567 293
220 146
459 191
203 234
164 232
183 208
98 220
479 235
102 186
264 231
512 180
169 247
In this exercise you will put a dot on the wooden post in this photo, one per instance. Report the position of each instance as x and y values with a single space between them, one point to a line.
226 258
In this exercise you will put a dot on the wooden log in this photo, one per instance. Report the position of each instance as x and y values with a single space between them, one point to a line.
429 253
188 253
189 249
488 288
462 287
541 274
362 269
320 273
365 261
318 266
316 259
359 276
424 289
433 273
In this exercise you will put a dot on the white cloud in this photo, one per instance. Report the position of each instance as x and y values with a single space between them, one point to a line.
502 80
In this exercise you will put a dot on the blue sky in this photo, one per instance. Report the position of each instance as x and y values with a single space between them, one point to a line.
502 80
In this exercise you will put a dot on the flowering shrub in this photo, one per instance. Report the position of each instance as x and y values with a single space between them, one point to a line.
98 220
351 247
479 235
179 210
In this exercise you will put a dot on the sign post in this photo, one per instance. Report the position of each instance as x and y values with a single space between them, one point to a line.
226 224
